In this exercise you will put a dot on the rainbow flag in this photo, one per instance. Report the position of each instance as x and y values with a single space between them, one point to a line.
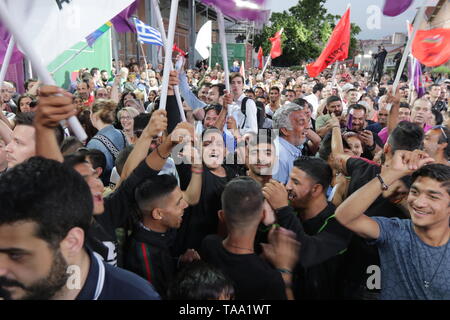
97 33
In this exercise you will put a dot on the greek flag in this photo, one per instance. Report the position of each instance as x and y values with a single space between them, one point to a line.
147 34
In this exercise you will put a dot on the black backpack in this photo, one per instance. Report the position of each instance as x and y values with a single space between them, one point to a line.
260 112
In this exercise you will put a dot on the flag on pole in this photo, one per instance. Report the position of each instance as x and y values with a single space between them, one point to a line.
203 42
417 78
175 48
51 27
148 34
393 8
260 57
276 49
122 22
432 47
97 33
336 49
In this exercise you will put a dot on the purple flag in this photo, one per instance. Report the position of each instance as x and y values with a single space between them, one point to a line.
4 41
122 21
417 81
253 10
393 8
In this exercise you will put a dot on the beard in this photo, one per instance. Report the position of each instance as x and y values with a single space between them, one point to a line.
43 289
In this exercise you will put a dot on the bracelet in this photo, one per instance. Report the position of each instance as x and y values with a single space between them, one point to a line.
384 186
371 148
284 271
197 171
157 151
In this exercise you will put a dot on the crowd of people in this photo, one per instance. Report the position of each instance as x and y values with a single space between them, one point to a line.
285 187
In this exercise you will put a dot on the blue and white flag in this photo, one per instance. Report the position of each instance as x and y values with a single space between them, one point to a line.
147 34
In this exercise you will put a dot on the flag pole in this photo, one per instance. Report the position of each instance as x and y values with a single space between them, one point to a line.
223 45
159 20
265 66
42 72
114 49
70 58
6 60
416 26
168 52
333 80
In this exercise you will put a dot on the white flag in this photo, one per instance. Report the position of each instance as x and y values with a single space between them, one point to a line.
52 26
203 42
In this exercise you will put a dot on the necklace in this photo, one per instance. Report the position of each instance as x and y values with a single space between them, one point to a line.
426 283
247 249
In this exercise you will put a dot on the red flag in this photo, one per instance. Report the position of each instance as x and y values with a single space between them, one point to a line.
175 48
337 48
276 49
260 58
432 47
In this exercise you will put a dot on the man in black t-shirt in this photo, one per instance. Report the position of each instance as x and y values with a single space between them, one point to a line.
321 236
253 277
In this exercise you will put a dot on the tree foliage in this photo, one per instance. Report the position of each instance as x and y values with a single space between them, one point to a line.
307 28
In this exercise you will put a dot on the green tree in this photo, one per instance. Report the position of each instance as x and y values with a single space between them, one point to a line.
307 28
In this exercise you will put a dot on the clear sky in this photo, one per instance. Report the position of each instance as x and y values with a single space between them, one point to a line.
360 16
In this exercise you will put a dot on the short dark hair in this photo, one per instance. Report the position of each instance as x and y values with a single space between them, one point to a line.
140 122
70 145
216 107
437 116
332 99
435 171
406 136
27 83
318 87
301 102
274 88
357 106
404 105
93 70
154 189
74 159
220 87
25 118
200 281
317 169
242 200
98 158
49 193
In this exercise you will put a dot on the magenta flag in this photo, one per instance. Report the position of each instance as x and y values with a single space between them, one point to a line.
4 41
418 85
122 21
393 8
253 10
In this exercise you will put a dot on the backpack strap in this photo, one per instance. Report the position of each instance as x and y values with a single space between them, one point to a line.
108 144
244 110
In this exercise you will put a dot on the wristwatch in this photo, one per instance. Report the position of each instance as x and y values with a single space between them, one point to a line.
384 186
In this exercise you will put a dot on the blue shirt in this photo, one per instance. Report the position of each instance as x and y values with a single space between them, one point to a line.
186 93
105 282
288 153
406 262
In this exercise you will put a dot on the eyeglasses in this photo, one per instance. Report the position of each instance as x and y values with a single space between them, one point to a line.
442 130
125 118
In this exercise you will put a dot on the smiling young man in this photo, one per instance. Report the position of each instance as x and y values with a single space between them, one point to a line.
414 253
46 213
161 203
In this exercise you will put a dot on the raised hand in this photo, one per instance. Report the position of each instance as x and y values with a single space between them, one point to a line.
157 123
276 194
55 105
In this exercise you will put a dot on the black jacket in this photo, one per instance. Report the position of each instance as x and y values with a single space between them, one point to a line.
148 254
